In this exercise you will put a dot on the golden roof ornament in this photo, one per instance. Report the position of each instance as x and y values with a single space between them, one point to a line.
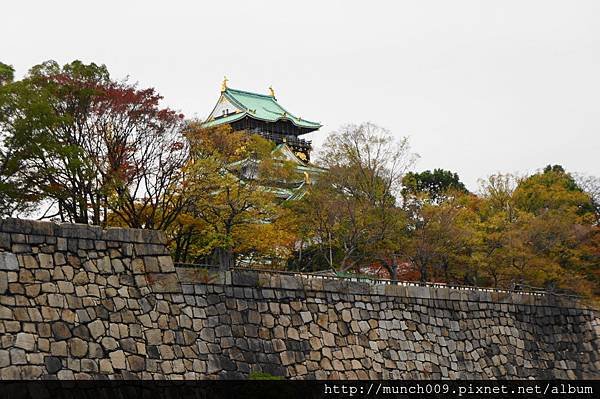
272 91
301 156
224 84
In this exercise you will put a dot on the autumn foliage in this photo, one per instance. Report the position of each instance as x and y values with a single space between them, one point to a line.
79 146
90 146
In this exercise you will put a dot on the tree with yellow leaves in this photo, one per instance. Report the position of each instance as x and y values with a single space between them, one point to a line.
536 231
235 216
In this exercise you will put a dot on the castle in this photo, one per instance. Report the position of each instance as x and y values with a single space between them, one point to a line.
262 114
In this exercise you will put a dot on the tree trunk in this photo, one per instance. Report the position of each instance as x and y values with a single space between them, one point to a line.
394 271
391 265
424 274
225 258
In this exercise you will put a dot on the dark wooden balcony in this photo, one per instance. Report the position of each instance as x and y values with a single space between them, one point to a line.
292 141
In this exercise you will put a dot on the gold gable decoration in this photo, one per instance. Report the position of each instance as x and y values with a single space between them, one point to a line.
301 156
224 84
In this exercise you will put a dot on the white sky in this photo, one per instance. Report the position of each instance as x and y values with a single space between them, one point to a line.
479 86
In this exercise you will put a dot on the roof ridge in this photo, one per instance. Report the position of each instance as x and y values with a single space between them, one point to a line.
251 93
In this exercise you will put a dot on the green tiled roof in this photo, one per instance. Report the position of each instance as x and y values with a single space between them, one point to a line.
258 106
224 120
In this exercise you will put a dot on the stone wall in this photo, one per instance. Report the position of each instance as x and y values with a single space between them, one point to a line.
80 302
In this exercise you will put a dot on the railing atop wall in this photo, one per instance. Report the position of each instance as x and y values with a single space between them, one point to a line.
528 290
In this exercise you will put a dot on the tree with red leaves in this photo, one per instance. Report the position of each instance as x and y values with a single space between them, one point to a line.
97 150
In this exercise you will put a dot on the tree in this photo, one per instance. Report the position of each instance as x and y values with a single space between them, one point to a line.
536 231
591 186
319 213
552 189
436 185
370 160
341 226
14 198
351 213
492 242
234 216
93 147
437 235
7 73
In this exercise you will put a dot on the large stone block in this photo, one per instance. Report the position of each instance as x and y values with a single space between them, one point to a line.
334 285
134 235
150 249
46 261
291 282
117 234
245 278
78 347
8 261
355 287
97 329
10 373
136 363
166 264
5 241
25 341
79 231
117 359
24 226
61 331
3 282
53 364
164 282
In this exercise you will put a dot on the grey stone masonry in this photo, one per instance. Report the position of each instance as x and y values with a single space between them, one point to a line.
80 302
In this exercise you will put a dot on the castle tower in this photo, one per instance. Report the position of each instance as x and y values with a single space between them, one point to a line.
262 114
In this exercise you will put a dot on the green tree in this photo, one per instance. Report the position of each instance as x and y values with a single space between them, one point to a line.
14 196
435 185
7 73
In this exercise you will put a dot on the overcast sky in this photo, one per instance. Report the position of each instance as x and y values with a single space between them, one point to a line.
478 86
